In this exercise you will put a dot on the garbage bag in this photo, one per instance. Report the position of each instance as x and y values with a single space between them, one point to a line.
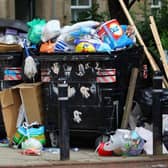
26 131
47 47
30 69
70 32
145 101
135 115
50 30
35 30
164 97
32 143
61 46
89 23
82 31
123 142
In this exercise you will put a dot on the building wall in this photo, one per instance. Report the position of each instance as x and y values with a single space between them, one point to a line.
11 9
3 9
103 5
54 9
138 9
50 9
60 9
43 10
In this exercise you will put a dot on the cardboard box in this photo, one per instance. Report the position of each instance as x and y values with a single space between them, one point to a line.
27 93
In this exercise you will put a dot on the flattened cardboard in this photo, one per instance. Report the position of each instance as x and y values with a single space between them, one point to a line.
6 98
12 98
10 110
31 98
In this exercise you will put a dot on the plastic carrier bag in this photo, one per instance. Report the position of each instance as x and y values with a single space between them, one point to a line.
35 30
26 131
51 30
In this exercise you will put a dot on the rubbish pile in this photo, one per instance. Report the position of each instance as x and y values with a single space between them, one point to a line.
86 36
12 32
83 37
123 142
30 138
43 36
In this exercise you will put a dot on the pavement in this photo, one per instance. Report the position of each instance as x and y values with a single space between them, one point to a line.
83 158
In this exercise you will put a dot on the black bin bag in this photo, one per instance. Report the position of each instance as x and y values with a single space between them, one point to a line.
145 101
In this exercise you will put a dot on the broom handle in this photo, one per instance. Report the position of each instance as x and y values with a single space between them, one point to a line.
151 60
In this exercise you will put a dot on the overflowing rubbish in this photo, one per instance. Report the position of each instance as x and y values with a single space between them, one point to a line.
12 36
123 142
52 150
35 30
86 36
49 38
12 32
51 30
48 47
31 143
28 135
115 35
30 67
76 149
4 143
30 138
147 135
31 152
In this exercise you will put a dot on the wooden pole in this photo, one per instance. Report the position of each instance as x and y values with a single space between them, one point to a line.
129 98
159 44
151 60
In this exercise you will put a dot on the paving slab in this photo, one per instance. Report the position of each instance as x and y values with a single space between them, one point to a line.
83 158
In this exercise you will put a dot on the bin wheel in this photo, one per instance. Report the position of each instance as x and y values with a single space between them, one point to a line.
102 138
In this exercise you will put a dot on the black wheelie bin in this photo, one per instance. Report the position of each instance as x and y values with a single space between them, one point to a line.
97 87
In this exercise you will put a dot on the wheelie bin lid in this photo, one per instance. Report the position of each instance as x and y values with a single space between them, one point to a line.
16 24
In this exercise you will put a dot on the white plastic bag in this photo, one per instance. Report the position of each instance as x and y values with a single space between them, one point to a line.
148 137
21 116
30 68
32 143
89 23
51 30
67 30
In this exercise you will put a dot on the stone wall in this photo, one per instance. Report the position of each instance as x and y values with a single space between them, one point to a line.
60 9
4 10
